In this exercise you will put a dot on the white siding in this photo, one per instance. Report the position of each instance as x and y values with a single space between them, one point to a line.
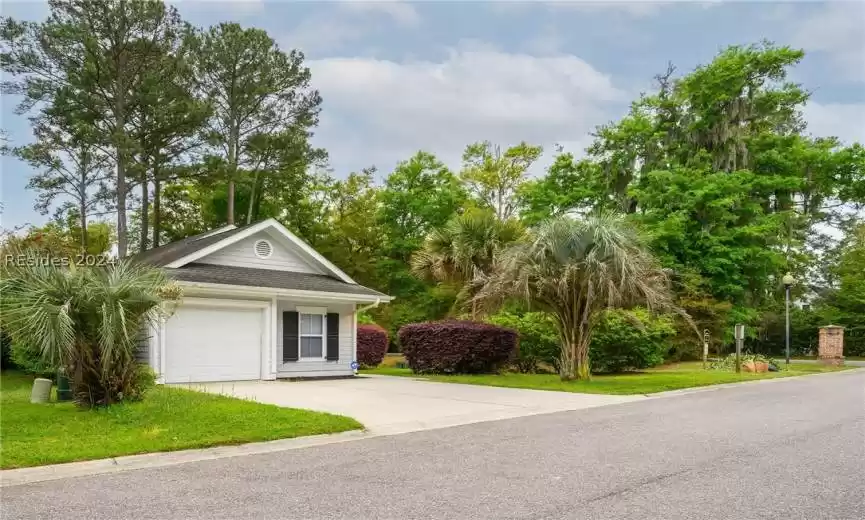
241 254
319 367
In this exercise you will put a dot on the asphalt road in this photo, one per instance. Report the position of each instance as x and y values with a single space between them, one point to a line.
793 449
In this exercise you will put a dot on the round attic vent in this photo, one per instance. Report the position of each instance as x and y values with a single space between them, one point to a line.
263 249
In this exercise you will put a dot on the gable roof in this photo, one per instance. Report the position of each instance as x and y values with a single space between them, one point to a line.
209 244
188 250
254 277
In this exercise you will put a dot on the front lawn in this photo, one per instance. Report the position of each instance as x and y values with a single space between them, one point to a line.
167 419
660 379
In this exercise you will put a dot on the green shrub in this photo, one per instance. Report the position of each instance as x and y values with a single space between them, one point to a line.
30 360
539 341
630 340
143 380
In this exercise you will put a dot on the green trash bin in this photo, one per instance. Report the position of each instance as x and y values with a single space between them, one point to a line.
64 393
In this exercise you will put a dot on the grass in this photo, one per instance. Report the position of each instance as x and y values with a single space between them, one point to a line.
660 379
167 419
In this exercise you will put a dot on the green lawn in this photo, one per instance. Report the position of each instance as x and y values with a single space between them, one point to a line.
669 377
167 419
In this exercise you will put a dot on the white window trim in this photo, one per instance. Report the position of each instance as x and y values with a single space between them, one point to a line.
316 311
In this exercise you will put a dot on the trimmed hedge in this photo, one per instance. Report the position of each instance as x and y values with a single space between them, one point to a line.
372 344
457 347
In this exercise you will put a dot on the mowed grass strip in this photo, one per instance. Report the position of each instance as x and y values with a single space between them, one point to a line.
668 377
167 419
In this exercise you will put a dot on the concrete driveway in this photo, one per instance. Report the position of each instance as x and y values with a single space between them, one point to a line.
398 404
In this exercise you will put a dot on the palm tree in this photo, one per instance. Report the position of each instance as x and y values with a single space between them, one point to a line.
85 320
575 270
463 252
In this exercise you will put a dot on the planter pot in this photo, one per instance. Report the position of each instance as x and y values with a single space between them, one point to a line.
757 367
41 390
64 393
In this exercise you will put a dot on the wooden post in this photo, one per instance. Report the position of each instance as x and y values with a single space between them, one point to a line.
705 347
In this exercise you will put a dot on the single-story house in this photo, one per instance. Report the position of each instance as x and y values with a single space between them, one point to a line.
258 303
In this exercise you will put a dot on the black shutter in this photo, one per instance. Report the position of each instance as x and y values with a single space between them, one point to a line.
332 336
290 340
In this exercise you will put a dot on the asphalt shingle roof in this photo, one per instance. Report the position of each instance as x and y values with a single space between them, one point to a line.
247 276
164 255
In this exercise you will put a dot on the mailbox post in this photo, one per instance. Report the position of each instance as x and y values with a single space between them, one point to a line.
740 340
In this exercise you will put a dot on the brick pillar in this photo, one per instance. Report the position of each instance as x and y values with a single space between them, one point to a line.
831 349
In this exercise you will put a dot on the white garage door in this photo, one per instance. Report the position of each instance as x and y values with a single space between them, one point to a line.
213 344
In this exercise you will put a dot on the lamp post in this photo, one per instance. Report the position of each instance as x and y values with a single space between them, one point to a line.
788 282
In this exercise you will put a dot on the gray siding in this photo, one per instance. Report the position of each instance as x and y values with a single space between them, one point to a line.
142 349
308 368
241 254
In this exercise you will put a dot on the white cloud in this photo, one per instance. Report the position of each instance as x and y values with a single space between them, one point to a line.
346 23
636 9
401 12
379 112
838 30
845 121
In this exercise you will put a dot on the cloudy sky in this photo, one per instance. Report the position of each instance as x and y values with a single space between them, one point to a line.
398 76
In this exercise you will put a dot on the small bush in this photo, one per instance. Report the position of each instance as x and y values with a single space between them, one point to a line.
451 347
30 360
630 340
539 341
143 380
372 344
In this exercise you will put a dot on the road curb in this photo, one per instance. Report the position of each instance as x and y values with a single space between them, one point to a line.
714 388
21 476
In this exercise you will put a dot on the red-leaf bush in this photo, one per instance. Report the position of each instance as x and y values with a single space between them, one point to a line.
371 345
457 347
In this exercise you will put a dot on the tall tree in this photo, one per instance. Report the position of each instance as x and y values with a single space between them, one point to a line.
256 90
95 55
167 126
494 177
69 165
421 194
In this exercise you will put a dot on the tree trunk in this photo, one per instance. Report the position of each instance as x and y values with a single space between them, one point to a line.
230 216
252 193
584 372
120 92
232 171
157 216
567 356
121 203
82 209
145 213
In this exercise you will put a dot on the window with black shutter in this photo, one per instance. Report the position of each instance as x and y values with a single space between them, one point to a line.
290 339
332 336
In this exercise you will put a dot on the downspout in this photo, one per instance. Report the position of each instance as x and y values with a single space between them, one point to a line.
354 329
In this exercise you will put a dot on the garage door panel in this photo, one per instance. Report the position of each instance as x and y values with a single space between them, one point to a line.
213 344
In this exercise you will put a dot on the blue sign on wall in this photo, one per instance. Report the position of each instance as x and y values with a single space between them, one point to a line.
355 365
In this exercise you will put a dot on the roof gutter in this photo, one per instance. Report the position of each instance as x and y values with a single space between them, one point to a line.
370 306
244 290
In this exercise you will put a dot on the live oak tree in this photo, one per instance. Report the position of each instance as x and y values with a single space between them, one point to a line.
256 90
